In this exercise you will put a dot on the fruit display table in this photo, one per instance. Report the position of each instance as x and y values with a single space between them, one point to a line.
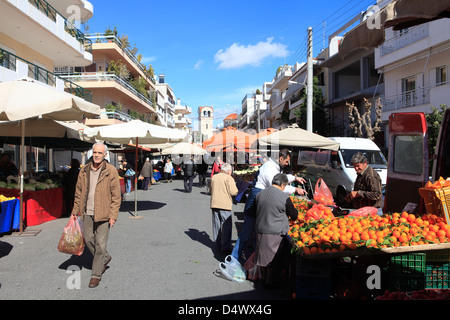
39 206
9 215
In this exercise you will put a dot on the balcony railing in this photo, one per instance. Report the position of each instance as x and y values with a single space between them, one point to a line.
44 7
118 115
110 77
9 61
103 38
405 39
411 98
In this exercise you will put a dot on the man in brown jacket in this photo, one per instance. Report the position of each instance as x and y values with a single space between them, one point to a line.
223 188
97 199
367 188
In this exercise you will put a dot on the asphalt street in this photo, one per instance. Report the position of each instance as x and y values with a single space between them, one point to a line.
165 254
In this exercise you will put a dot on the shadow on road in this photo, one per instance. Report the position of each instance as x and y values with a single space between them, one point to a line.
5 249
204 238
83 261
141 205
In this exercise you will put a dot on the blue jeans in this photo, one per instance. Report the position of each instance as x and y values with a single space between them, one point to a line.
128 184
248 228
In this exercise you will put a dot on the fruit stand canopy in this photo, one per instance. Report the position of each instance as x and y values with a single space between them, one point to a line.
297 137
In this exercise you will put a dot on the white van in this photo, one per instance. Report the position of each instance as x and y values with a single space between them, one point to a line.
335 167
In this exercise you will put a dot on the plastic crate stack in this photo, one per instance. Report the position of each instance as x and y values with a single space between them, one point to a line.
438 269
313 279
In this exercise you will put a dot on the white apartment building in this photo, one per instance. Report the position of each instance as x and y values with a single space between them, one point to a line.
168 101
182 120
252 104
275 95
415 63
37 36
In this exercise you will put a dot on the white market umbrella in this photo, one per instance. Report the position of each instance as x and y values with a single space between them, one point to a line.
184 148
297 137
135 132
22 99
44 128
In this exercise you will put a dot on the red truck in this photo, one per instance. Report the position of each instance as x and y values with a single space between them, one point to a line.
408 160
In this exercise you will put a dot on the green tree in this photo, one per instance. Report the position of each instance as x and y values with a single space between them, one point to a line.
320 115
109 32
119 69
434 121
140 85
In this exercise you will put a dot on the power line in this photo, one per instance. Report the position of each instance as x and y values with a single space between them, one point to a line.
331 27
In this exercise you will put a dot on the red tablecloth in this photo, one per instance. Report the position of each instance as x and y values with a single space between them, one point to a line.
39 206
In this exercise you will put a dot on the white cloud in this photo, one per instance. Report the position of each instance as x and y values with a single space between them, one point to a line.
198 65
237 56
146 60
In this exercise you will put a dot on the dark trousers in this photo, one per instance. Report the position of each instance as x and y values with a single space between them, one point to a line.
202 179
146 183
188 183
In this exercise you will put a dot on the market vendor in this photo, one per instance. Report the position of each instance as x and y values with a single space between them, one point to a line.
367 187
7 167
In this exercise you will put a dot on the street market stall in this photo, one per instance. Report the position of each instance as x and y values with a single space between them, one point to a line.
24 100
9 214
409 252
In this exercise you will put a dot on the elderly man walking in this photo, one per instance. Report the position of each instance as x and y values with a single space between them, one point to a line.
223 188
97 199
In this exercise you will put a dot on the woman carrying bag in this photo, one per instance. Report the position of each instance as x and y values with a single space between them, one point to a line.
129 175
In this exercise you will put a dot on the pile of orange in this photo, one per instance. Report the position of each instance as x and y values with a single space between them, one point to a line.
318 211
438 184
371 231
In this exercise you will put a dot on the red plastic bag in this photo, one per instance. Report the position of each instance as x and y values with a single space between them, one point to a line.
72 241
364 211
322 194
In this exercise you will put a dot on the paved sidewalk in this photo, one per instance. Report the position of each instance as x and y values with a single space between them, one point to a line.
166 255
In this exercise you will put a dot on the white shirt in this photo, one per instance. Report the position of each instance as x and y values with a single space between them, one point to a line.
266 173
168 167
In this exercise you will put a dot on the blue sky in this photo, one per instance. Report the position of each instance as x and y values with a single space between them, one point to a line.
215 52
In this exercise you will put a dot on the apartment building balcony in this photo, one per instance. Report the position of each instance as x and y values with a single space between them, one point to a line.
179 109
431 95
116 86
170 104
39 26
112 47
282 77
182 121
404 39
13 67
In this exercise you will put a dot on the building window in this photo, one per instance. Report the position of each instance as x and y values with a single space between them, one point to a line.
408 84
408 91
441 75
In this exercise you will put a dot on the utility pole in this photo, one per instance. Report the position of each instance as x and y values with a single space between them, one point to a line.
258 127
309 84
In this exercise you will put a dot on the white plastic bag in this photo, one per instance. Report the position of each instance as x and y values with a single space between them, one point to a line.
232 269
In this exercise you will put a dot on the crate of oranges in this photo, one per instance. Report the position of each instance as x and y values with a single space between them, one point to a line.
436 196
